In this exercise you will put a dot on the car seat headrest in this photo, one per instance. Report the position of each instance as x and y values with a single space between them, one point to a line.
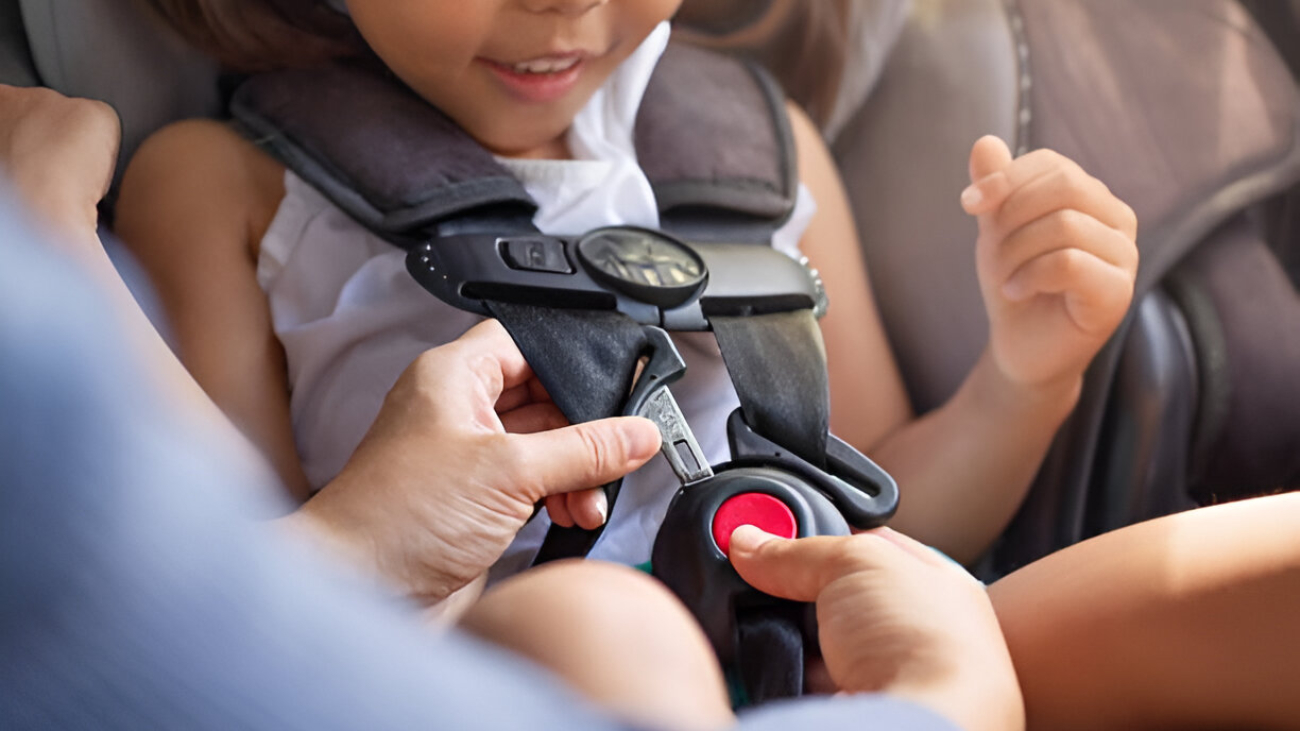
116 52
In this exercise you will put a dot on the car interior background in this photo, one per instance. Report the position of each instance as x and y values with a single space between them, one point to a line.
1188 109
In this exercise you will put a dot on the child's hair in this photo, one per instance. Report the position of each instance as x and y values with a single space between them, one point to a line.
259 35
804 43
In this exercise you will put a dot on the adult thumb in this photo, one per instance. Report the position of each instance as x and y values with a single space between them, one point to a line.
585 455
797 569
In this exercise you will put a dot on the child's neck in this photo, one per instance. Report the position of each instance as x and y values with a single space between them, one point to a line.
557 149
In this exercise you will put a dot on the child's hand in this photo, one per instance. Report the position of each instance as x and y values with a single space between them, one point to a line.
1056 259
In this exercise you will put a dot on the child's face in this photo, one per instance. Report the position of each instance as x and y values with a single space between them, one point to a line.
513 73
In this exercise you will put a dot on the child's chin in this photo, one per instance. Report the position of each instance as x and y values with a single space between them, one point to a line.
538 139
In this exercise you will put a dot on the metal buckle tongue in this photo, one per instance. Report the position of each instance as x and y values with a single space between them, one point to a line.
651 399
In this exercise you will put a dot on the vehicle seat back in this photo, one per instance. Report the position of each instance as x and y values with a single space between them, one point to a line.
1183 108
16 68
112 51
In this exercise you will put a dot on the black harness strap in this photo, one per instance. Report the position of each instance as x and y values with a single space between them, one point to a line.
585 359
778 365
770 653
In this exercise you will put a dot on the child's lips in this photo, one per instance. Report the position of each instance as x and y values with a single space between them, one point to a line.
539 80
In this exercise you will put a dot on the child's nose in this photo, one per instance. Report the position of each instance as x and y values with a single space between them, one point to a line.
565 7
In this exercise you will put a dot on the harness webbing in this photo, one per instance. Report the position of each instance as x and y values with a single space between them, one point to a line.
778 365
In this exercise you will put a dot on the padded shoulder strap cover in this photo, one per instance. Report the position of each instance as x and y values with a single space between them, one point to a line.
400 166
734 151
383 155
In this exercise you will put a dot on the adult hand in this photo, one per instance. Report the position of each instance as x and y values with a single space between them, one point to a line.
1056 259
894 617
60 152
464 447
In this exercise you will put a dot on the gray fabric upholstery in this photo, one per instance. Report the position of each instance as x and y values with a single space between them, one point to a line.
16 67
1181 106
952 78
381 153
1244 317
677 136
874 28
112 51
1187 112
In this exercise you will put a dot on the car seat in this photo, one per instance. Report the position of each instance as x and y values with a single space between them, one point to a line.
1187 112
1183 107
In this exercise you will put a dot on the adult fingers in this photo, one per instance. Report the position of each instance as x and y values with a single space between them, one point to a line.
1065 229
513 398
799 569
557 507
533 418
487 345
581 456
1066 187
479 372
528 392
1096 292
589 508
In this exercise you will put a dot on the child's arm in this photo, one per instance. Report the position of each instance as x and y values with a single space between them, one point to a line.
194 205
1056 262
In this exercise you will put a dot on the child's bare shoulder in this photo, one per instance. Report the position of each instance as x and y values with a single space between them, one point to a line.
816 167
198 175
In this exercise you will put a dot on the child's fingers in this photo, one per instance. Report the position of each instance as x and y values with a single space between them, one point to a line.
988 193
1065 229
557 506
1066 187
1096 292
988 157
588 508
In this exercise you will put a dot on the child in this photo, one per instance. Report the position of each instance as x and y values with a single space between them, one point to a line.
551 87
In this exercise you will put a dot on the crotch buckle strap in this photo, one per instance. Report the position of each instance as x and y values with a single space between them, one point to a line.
762 638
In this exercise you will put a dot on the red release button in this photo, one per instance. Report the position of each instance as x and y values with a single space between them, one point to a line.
756 509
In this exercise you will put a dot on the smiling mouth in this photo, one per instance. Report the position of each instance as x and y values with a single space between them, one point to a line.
542 79
546 65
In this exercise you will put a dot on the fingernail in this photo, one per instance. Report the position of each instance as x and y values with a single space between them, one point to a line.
749 538
971 197
602 506
642 439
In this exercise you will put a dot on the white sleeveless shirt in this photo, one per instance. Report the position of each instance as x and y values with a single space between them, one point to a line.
351 318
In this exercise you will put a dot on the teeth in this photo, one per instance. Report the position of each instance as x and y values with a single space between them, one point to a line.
545 65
